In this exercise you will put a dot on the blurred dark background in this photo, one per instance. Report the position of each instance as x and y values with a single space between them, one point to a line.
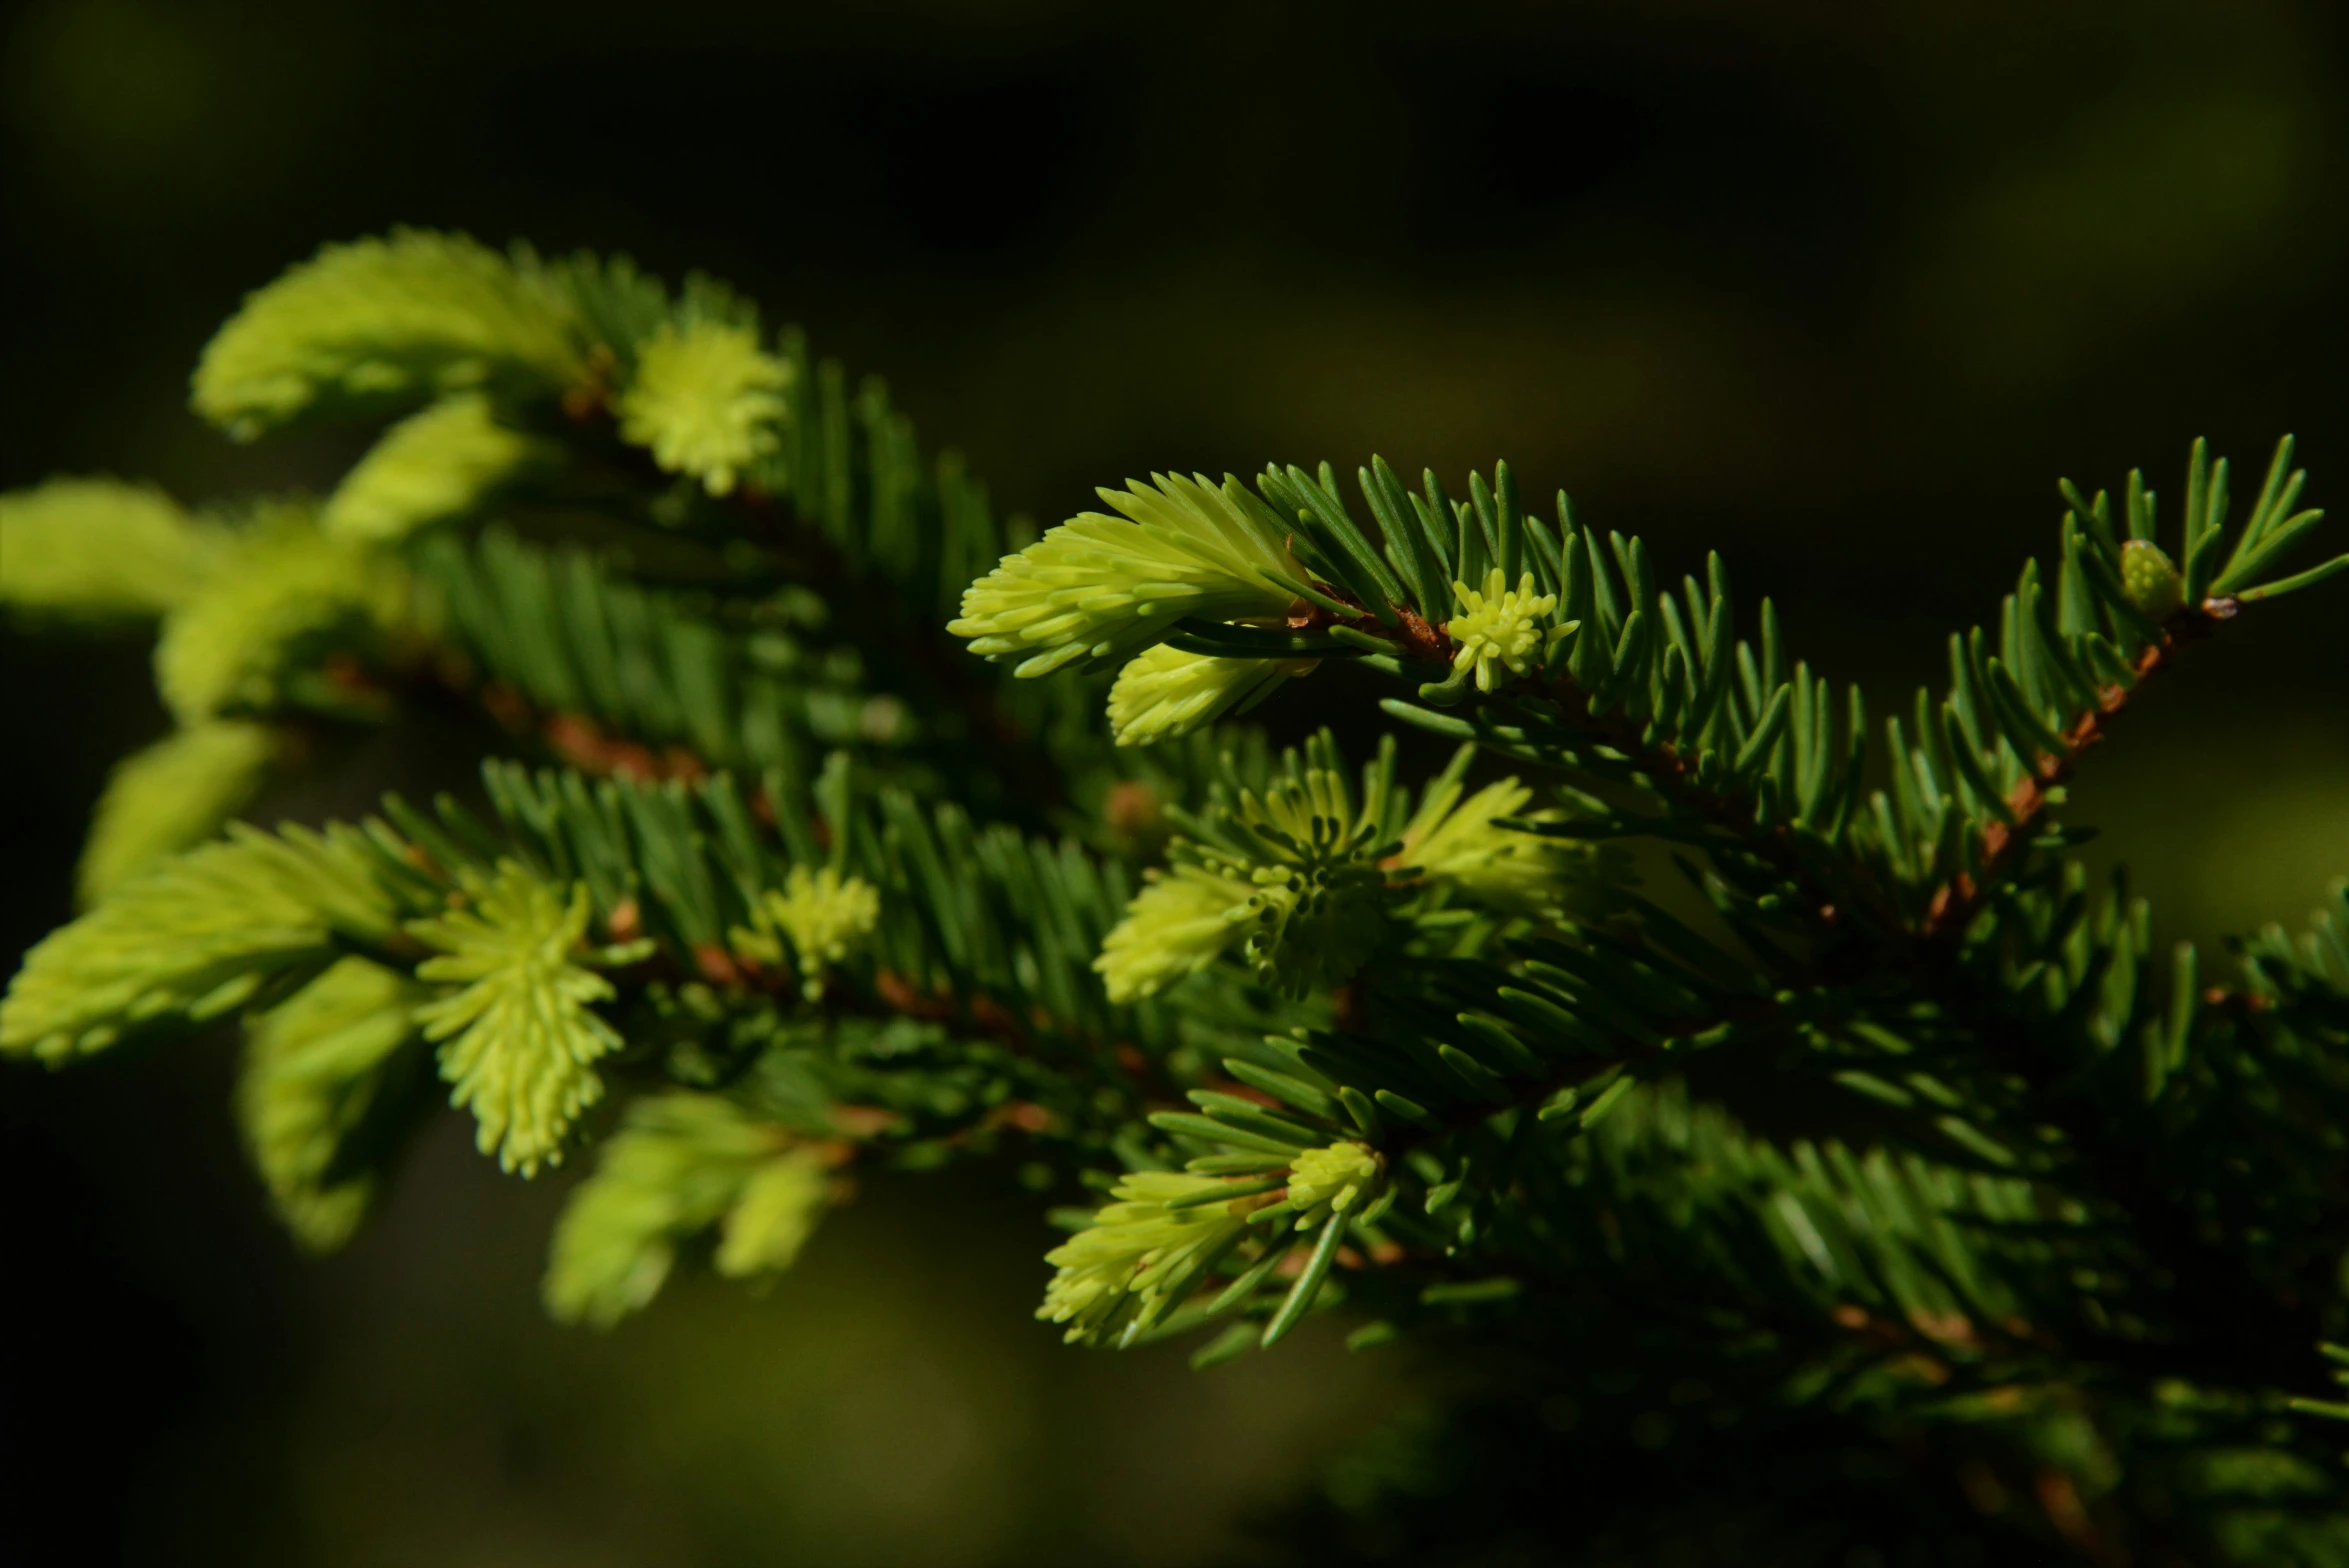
1838 290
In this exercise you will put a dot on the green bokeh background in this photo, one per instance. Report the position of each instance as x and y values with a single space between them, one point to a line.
1838 290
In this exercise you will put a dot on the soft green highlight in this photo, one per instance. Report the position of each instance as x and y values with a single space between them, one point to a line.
173 794
282 589
321 1070
100 549
679 1164
387 321
441 463
196 936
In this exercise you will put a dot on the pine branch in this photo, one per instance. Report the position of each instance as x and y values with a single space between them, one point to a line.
1920 1147
1956 903
803 534
1585 664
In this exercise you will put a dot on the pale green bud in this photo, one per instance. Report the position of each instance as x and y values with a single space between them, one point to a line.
1499 628
824 915
707 401
2151 580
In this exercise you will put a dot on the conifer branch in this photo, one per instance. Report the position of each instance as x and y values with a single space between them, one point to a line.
808 553
1955 904
1919 1142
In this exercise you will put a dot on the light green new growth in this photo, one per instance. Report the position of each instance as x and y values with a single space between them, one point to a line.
1311 898
823 914
1499 629
706 401
400 319
317 1069
172 794
281 584
440 463
1143 1252
679 1164
1166 692
1100 588
195 937
775 1215
1462 843
1343 1179
1185 918
100 549
1165 1232
519 1041
1299 880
